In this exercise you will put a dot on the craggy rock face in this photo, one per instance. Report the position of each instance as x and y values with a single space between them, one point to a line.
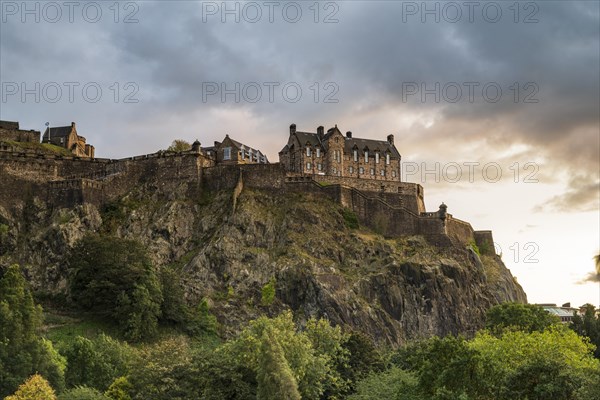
391 289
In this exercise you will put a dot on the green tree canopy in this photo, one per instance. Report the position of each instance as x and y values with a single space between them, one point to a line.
82 393
95 363
588 325
35 388
517 316
22 350
275 379
179 145
114 277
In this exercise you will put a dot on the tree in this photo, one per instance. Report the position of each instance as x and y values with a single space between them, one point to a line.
588 325
445 367
120 389
392 384
523 317
35 388
22 350
179 145
328 342
543 362
363 357
96 363
82 393
163 371
310 370
275 379
114 277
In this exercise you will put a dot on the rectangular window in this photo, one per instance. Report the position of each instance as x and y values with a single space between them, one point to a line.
366 156
227 153
308 166
308 152
394 173
318 152
382 172
377 157
372 171
361 170
355 155
351 170
334 170
320 166
387 158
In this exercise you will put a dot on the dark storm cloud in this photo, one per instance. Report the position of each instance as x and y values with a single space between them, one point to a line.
370 54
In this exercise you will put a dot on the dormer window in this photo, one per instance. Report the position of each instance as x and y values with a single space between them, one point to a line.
355 155
308 151
227 153
387 158
376 157
366 155
318 152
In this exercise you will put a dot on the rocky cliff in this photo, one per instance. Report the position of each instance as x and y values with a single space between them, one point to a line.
303 245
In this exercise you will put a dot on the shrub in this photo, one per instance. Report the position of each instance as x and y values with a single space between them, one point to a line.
350 218
268 293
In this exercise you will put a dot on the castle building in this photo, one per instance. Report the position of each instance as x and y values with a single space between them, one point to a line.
334 154
230 151
67 137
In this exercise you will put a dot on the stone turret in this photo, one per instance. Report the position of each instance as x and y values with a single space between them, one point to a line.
292 129
196 146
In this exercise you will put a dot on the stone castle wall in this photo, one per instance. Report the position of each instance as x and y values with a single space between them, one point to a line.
9 131
390 208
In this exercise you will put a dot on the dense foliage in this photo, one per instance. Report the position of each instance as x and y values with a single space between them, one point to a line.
23 351
522 355
114 277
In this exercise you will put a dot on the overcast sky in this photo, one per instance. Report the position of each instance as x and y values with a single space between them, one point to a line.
506 94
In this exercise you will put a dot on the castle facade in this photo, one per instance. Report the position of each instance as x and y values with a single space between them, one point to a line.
333 154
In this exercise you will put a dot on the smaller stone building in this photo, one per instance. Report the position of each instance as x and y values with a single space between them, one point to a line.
67 137
230 151
333 154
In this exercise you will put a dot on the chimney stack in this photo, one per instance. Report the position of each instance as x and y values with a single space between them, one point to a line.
390 139
321 132
349 135
292 129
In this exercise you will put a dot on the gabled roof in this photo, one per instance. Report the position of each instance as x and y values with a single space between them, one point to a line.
242 146
58 131
373 145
